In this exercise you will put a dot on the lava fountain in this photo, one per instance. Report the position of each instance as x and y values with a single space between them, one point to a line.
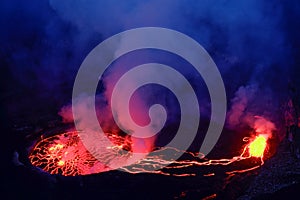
257 146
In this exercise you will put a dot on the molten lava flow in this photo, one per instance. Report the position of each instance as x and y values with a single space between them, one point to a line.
257 147
65 154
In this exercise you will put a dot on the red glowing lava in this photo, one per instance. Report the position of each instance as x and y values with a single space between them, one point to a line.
65 154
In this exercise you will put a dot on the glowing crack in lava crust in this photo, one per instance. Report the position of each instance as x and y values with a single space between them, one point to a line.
65 154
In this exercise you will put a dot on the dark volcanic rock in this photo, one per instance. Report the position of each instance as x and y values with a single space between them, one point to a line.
279 178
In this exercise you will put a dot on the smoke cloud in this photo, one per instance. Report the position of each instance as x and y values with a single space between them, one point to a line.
246 113
255 44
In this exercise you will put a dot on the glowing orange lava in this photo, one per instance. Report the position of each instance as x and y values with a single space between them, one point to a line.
65 154
257 147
